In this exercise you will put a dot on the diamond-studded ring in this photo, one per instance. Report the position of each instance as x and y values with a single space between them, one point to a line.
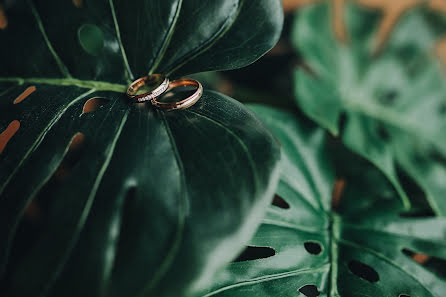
158 83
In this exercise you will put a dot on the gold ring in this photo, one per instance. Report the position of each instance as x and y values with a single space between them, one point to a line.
185 103
160 80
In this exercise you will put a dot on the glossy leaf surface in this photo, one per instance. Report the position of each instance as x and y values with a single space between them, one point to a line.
117 40
358 252
388 108
123 197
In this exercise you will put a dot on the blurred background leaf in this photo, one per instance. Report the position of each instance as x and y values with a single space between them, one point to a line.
389 108
306 248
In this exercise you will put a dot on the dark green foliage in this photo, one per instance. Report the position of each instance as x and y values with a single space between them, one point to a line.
154 202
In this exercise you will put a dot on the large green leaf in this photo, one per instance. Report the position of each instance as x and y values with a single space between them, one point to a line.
117 40
154 202
393 105
359 252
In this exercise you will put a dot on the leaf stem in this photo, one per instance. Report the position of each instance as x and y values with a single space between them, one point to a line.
87 84
128 72
167 38
334 253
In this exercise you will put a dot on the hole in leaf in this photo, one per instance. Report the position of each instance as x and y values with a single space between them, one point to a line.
383 133
438 157
93 104
442 108
403 295
74 153
3 19
310 291
363 271
388 97
341 123
418 196
25 94
280 202
36 219
255 253
8 134
91 39
411 254
434 264
33 212
313 248
424 213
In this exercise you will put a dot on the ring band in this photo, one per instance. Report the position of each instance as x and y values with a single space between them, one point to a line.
185 103
146 80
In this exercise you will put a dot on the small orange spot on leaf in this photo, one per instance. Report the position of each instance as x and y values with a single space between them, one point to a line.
70 159
420 258
8 134
33 212
78 3
3 19
93 104
25 94
292 5
440 50
338 189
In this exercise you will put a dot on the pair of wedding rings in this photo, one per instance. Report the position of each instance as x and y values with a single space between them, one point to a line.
161 85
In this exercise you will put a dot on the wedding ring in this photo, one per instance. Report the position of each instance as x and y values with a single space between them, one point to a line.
160 81
185 103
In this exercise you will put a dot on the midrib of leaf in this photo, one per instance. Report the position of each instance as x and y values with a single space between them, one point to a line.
63 69
269 277
335 231
167 38
128 71
332 266
88 84
210 42
173 251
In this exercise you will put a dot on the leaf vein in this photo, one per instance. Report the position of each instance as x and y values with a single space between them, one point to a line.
121 46
63 69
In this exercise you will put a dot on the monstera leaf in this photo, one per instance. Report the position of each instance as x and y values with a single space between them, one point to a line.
390 109
125 199
303 248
